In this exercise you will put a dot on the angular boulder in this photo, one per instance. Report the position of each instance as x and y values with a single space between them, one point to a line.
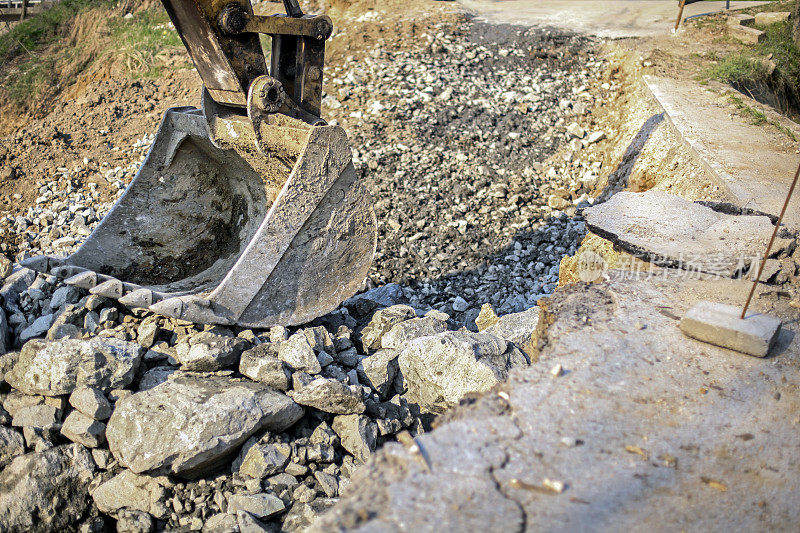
54 368
127 490
440 370
299 355
207 352
263 460
12 444
46 491
262 364
91 402
382 321
200 421
358 435
409 330
84 430
379 370
518 328
330 396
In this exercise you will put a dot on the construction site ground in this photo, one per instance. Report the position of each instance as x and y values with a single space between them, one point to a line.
621 422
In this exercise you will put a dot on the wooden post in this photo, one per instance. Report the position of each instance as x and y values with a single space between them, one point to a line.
680 15
24 10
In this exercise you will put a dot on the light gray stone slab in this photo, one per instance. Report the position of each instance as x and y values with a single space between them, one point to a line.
672 232
722 325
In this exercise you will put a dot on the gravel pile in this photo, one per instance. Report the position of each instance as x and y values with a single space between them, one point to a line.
474 146
454 137
66 208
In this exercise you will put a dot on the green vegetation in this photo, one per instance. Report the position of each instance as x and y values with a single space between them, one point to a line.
45 54
42 30
758 117
139 40
773 64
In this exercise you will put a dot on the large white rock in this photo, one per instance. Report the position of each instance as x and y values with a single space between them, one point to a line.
45 491
439 370
127 490
519 328
206 352
191 422
53 368
330 396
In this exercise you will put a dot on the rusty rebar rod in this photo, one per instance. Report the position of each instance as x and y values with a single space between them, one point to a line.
771 241
680 15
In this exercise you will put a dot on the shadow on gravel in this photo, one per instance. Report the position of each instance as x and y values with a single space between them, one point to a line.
513 278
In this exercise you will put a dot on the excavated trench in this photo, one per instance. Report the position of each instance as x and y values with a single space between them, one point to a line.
479 144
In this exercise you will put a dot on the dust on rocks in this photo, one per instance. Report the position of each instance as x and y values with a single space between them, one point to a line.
469 140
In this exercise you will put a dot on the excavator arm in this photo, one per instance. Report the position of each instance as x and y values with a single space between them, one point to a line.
222 40
247 211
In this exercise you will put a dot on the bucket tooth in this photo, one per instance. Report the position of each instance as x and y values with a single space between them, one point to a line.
84 280
142 298
112 288
42 263
192 308
67 271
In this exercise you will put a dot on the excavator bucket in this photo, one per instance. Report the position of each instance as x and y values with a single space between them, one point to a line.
252 219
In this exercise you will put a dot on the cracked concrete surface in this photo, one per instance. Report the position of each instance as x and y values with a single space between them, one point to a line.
754 164
647 429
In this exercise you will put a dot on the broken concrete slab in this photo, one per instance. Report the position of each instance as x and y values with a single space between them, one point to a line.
771 17
746 34
753 165
672 232
721 325
647 429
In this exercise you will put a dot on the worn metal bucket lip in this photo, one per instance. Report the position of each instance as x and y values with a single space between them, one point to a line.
322 162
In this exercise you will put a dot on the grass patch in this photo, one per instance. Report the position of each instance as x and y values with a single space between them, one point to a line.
757 117
50 52
780 5
38 32
141 38
749 68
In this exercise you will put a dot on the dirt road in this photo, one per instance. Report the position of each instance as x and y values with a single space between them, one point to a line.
605 18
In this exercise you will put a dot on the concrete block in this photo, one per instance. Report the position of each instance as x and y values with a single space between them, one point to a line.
746 34
765 19
719 324
741 19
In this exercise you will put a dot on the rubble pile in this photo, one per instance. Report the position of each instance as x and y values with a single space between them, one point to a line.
120 418
456 137
157 423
